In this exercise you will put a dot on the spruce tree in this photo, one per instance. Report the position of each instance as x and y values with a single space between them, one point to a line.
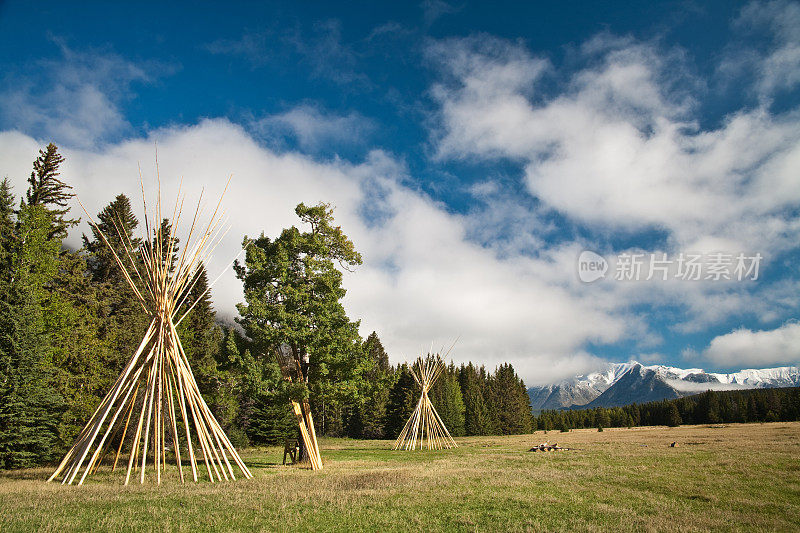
7 235
200 336
118 223
48 191
374 351
510 401
30 407
403 397
448 401
673 416
369 411
123 321
477 419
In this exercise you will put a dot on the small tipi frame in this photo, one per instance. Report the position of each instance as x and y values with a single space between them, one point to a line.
157 382
425 428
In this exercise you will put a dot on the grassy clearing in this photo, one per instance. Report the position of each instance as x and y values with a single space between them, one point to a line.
735 477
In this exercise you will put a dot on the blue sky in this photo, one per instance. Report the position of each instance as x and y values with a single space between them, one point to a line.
472 150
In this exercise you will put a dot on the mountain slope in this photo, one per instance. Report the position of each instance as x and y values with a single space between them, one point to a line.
576 391
625 383
639 385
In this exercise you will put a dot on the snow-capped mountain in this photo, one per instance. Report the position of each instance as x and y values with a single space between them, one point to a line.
625 383
579 390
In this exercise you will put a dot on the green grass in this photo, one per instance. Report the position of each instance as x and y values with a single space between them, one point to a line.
736 477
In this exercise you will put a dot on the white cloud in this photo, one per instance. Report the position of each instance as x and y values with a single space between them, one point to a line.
618 149
422 280
748 348
314 128
76 101
776 65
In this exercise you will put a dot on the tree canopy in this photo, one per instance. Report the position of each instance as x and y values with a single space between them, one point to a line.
293 291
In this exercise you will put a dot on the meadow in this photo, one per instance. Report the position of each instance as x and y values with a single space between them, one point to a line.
728 478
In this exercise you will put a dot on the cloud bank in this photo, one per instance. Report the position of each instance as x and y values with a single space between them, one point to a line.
746 347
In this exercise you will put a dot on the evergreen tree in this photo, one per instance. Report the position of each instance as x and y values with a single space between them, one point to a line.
30 407
6 210
117 222
477 419
603 418
707 408
373 411
88 365
673 416
200 337
48 191
403 397
368 413
162 239
510 401
7 228
293 293
374 351
448 401
265 415
122 320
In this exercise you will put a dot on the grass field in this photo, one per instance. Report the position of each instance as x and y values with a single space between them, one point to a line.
734 477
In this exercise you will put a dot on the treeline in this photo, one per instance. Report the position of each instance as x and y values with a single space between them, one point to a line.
710 407
469 400
69 322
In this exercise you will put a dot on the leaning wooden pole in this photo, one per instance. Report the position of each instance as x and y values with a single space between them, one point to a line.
158 376
291 368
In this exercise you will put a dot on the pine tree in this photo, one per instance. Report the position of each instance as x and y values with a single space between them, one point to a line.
122 320
6 228
48 191
402 399
673 416
369 413
374 351
159 235
293 293
510 401
267 416
200 336
30 407
477 419
118 223
448 401
373 411
6 209
87 362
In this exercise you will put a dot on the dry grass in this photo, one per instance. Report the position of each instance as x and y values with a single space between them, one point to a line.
736 477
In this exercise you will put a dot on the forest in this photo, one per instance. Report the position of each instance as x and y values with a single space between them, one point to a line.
710 407
69 322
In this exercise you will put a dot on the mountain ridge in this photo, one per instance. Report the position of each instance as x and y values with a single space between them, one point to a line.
625 383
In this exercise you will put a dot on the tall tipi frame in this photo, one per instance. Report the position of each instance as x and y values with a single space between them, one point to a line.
425 428
157 390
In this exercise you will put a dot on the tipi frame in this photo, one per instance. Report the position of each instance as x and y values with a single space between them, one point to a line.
156 397
425 428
